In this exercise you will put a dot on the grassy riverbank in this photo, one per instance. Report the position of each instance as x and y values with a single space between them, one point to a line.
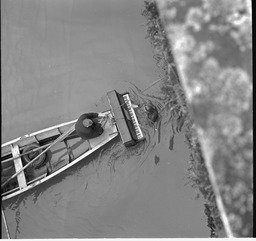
197 172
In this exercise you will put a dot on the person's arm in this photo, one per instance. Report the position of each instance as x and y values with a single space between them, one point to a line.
101 114
103 118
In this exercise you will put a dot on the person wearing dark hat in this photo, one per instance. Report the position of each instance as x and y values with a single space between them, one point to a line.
89 125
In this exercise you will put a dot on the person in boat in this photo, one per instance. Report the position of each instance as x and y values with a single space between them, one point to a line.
89 125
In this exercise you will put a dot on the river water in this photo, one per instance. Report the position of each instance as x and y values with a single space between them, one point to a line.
59 58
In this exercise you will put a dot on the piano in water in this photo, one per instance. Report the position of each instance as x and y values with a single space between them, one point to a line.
125 118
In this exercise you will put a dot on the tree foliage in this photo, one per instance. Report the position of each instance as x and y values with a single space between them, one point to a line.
197 172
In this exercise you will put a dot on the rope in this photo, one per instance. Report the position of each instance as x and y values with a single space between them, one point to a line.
6 226
153 84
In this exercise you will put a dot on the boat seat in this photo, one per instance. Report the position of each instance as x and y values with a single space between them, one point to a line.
63 129
77 146
58 156
47 134
27 141
18 165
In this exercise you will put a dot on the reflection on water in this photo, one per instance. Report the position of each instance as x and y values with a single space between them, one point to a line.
79 50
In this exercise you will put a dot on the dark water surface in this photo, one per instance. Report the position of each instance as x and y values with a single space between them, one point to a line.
59 58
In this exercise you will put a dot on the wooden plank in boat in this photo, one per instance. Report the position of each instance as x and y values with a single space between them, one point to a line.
18 165
109 129
78 146
62 129
47 134
27 141
58 155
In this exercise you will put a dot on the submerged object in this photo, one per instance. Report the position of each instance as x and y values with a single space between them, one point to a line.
152 112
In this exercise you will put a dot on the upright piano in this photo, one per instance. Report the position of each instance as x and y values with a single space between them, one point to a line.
125 118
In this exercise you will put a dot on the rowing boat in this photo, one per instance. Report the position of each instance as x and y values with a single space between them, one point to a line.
57 159
35 158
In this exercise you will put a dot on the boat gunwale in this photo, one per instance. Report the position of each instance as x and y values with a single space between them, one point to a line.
39 132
